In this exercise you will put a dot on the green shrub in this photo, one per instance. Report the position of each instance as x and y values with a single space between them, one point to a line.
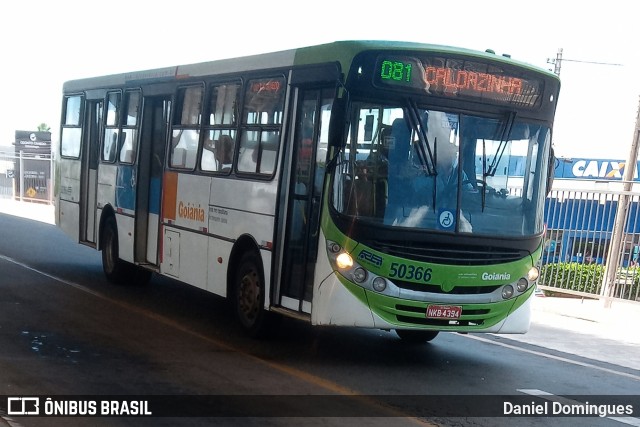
587 278
573 276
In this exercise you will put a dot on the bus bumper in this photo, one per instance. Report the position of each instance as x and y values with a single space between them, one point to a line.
339 305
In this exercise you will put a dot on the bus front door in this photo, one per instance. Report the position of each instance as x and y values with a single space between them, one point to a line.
155 122
308 155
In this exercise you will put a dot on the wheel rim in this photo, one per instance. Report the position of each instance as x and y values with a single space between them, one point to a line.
249 297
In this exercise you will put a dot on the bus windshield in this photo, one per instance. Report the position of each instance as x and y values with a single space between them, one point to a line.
412 167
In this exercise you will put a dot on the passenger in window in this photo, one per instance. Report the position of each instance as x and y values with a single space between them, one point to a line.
208 162
111 148
411 189
224 153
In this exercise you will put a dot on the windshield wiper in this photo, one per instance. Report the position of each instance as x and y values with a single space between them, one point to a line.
493 168
506 132
427 158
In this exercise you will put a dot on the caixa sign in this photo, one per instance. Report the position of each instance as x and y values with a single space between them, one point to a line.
591 169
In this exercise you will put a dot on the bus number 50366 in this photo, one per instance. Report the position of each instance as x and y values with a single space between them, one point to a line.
409 272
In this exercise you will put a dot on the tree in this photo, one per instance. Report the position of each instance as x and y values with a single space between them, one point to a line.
43 127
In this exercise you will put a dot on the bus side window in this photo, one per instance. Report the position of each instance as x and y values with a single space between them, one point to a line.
186 128
224 152
249 149
220 128
262 121
217 153
111 131
129 143
126 153
185 148
258 152
110 145
269 148
208 161
71 130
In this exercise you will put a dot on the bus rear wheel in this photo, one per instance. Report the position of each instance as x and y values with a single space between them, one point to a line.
413 336
112 265
115 269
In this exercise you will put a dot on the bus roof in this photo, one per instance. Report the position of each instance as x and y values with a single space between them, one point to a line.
339 51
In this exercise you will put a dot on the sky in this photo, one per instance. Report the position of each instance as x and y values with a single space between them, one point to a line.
45 43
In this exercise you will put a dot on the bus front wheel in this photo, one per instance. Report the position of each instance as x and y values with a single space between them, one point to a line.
416 337
249 295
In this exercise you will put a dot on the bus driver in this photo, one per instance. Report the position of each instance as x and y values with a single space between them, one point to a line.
411 188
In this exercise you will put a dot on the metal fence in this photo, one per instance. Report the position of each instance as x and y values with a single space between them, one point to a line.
580 225
26 177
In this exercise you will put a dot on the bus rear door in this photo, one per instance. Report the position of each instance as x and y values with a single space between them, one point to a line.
89 170
155 122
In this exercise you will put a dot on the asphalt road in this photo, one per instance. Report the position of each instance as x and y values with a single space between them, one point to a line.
65 331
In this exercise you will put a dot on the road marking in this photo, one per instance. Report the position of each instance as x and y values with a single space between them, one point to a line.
289 370
554 357
56 278
563 400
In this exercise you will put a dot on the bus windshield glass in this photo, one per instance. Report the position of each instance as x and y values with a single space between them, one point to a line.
433 170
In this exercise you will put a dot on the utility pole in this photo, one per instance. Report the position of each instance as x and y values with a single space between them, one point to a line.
558 60
615 248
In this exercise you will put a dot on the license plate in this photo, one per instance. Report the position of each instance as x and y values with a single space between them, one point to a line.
444 311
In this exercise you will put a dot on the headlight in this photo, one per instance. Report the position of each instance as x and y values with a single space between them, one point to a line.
344 261
379 284
533 274
334 248
522 285
359 275
507 292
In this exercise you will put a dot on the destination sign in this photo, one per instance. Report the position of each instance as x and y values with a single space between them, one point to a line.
266 85
457 78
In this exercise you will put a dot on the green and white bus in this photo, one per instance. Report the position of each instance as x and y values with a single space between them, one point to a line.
356 183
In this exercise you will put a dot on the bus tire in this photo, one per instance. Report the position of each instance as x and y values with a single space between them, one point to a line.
248 295
114 268
413 336
117 270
